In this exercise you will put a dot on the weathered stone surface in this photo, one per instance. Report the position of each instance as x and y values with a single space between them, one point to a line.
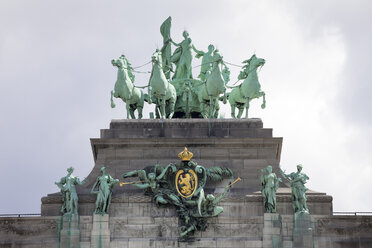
242 145
100 235
70 232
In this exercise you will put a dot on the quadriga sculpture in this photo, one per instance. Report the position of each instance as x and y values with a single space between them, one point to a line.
160 89
240 96
124 89
211 90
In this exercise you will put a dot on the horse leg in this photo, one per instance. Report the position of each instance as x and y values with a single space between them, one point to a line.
211 107
139 109
233 106
163 114
246 107
217 109
172 103
202 109
131 111
112 100
127 107
240 113
263 105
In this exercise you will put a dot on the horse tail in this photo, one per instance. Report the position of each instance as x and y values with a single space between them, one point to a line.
112 100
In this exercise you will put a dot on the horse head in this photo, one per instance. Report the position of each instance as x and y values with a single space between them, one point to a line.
254 62
156 58
119 62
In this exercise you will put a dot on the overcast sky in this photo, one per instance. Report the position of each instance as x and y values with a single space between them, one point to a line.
56 78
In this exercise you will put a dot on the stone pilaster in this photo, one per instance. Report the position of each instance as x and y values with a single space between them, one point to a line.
70 232
100 237
303 231
272 231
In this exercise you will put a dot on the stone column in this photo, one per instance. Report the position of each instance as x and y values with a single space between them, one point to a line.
70 232
303 231
272 231
100 237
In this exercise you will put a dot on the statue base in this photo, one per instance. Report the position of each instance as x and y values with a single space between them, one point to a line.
100 236
303 230
70 232
272 235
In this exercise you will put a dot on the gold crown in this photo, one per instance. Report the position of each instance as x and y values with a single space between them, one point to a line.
185 155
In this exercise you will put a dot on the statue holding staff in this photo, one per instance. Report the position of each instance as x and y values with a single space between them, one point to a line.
104 183
68 191
298 180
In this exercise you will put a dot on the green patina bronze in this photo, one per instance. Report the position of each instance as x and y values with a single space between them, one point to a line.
125 89
182 186
298 181
160 89
69 196
166 50
214 86
240 96
103 188
270 183
190 98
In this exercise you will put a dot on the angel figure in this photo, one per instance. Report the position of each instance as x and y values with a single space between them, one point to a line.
151 182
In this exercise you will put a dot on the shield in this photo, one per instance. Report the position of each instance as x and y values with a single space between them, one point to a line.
186 183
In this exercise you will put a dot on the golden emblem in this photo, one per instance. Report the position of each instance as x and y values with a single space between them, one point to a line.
185 155
186 183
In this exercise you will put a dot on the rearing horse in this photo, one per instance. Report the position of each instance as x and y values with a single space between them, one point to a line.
124 89
159 87
250 88
212 88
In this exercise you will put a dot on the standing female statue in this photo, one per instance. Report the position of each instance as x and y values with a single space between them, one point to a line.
68 191
182 57
104 183
298 180
270 183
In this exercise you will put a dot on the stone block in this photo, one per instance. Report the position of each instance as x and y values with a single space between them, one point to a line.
231 242
100 236
126 231
141 243
140 220
70 232
248 229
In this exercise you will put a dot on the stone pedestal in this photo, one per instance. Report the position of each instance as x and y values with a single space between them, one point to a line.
70 232
303 231
272 231
100 237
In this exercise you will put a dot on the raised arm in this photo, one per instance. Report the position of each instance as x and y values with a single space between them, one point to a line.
142 186
198 52
174 43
